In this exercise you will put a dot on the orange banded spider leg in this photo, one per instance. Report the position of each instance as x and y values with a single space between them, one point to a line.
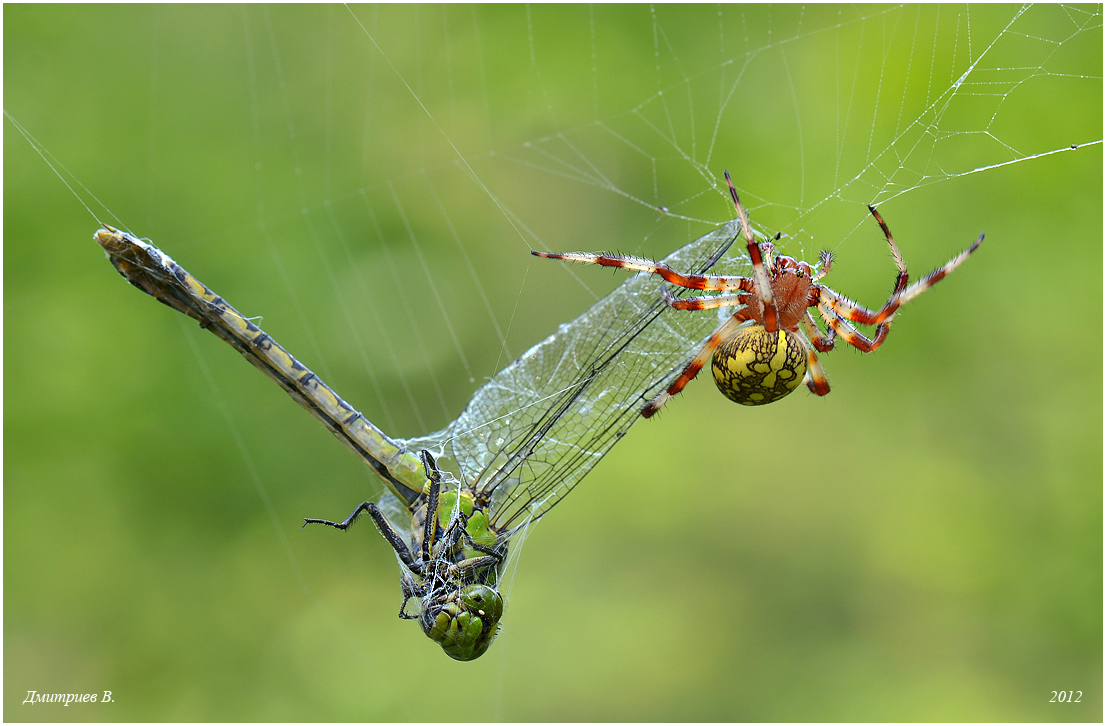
760 275
823 344
851 335
772 341
860 314
939 274
816 376
718 283
721 333
899 263
707 302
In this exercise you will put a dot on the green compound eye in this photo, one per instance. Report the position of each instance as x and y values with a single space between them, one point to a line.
484 601
755 367
467 625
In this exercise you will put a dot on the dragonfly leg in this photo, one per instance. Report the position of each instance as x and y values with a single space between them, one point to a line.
385 528
473 564
457 532
429 526
411 590
361 508
491 551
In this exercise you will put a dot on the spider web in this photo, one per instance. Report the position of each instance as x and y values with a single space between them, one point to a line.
372 179
951 110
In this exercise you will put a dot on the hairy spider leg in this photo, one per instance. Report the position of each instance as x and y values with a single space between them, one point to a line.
858 313
816 379
825 261
836 310
840 315
720 334
760 275
851 335
714 283
706 302
823 344
939 274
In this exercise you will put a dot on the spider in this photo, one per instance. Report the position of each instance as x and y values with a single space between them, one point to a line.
763 351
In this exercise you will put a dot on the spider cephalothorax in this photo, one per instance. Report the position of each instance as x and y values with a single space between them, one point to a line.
770 344
756 364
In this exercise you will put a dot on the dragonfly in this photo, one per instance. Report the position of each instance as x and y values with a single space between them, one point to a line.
456 500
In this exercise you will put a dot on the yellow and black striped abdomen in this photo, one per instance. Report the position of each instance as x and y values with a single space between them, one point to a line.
755 367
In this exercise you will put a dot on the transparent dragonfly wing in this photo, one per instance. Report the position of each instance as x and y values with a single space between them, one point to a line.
523 442
531 433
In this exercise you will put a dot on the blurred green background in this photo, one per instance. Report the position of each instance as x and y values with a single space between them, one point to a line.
923 544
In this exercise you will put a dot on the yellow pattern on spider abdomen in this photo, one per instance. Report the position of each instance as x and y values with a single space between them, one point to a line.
755 367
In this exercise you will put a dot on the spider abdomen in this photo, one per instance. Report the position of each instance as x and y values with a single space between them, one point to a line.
755 367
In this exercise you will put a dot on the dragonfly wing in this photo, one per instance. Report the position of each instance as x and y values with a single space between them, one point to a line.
539 426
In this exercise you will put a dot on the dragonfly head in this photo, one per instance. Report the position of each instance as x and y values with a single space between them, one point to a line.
465 623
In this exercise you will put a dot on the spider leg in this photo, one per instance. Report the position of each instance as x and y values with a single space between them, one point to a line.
816 376
825 261
895 254
937 275
901 294
851 335
763 286
706 302
821 343
721 333
639 264
858 313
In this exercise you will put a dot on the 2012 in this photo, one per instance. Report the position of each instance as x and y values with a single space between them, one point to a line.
1066 697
